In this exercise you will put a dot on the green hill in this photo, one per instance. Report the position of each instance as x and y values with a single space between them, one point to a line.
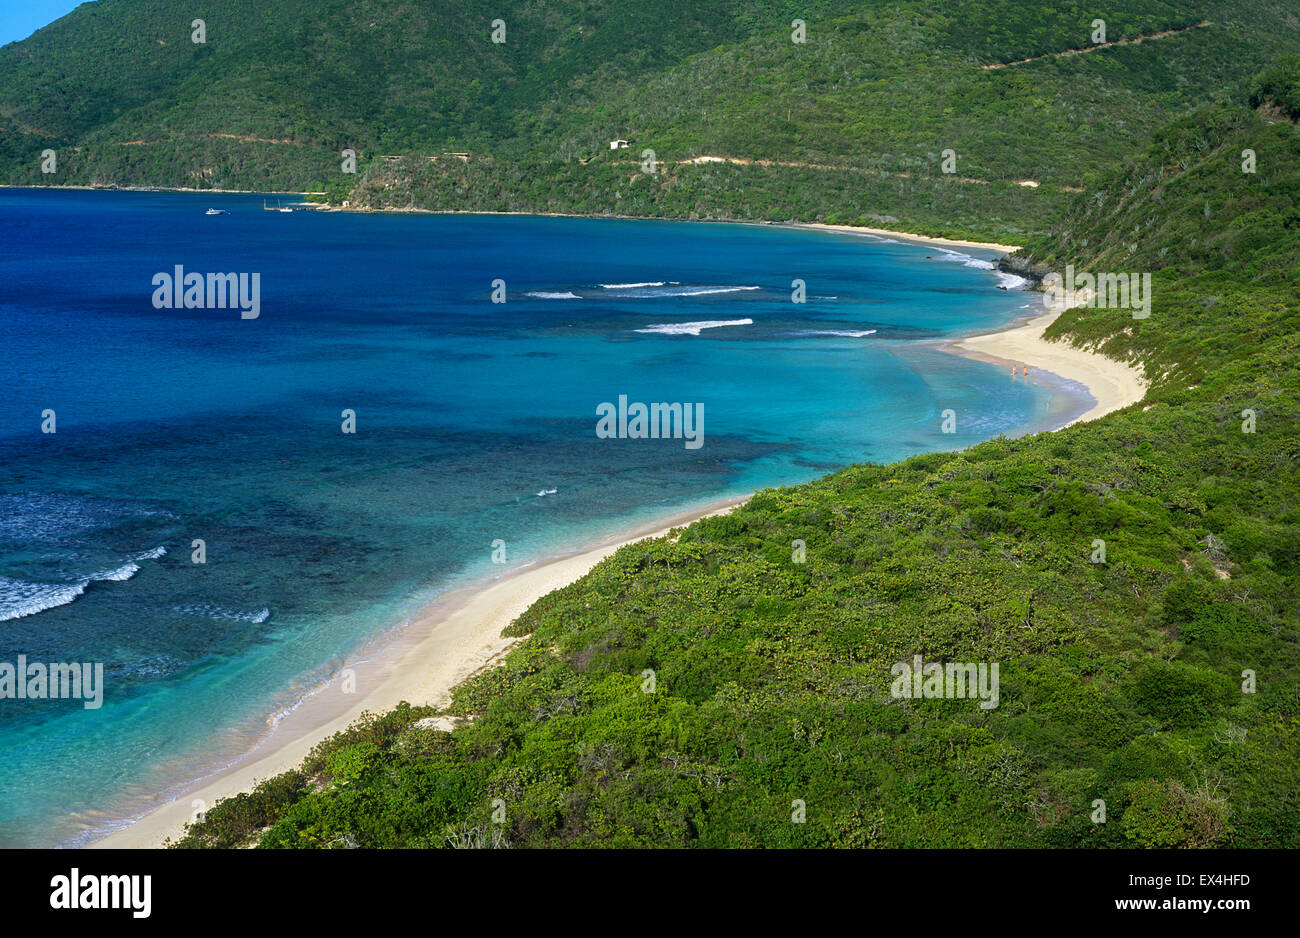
287 85
1159 685
853 123
1125 683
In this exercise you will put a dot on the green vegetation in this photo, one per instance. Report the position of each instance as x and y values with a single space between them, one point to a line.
1246 224
1121 682
707 191
1279 87
1126 682
853 122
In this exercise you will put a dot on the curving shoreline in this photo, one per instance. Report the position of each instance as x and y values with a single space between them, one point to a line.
459 635
446 643
909 236
1113 384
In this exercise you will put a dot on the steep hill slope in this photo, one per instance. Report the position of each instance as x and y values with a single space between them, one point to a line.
313 76
852 123
1148 697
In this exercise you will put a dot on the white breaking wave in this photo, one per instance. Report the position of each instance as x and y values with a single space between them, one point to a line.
544 295
117 574
694 328
212 611
1006 281
966 260
128 569
19 598
674 288
705 291
847 333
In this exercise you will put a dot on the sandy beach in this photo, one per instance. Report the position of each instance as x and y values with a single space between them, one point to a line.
446 643
458 635
1112 383
908 236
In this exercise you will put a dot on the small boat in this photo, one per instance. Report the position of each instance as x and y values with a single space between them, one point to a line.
284 208
545 492
216 211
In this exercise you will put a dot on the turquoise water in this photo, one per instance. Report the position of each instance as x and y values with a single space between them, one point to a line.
181 424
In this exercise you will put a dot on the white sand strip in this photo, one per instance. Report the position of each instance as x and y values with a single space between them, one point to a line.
1114 384
906 236
448 642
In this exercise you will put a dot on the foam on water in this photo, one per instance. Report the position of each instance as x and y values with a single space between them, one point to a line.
213 611
966 260
117 574
317 543
710 291
694 328
674 289
644 290
20 598
55 517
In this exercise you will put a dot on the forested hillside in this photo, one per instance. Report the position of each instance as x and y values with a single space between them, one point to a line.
851 124
1149 698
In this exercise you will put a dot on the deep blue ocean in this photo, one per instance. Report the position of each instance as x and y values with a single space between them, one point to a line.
173 425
